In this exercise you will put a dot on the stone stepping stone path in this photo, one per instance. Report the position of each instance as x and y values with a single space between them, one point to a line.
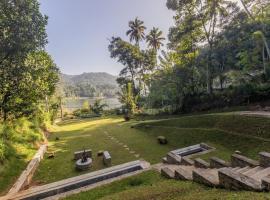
121 144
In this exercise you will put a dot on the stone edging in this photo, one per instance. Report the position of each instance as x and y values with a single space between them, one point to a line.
25 178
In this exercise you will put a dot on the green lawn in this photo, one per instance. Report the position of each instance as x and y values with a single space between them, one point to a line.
226 132
151 186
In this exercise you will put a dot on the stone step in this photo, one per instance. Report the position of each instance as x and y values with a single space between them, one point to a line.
244 169
184 173
164 160
187 161
200 163
207 177
167 173
238 160
266 183
252 171
261 174
264 159
233 180
218 163
173 158
235 168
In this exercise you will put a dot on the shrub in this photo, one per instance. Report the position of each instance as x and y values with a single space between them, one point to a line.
2 150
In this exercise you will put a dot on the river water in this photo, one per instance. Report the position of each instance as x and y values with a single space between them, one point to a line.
72 104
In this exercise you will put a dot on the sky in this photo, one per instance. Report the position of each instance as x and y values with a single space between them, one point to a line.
78 30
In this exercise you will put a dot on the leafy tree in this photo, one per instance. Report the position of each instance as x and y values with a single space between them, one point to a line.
207 18
128 98
136 31
138 64
155 39
98 107
258 11
24 72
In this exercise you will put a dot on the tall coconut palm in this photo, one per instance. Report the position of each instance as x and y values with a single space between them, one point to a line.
136 31
154 39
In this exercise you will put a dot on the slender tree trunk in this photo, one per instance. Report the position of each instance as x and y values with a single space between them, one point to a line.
221 82
61 108
209 77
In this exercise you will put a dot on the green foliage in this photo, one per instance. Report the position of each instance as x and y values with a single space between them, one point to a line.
98 107
85 107
28 74
2 150
136 31
154 39
129 99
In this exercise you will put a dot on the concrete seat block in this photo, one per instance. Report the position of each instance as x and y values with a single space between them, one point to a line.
107 159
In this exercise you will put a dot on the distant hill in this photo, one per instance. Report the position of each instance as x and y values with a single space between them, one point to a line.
90 85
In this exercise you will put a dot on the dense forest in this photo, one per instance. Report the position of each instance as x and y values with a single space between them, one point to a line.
217 56
28 80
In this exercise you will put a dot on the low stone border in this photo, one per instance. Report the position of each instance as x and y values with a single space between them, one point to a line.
57 188
25 179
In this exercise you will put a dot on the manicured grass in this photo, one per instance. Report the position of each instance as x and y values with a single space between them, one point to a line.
151 186
75 136
226 132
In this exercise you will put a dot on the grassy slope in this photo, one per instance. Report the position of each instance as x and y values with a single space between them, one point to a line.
13 167
151 186
226 132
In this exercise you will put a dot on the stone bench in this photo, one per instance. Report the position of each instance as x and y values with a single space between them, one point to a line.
218 163
264 159
243 161
198 148
78 154
107 159
200 163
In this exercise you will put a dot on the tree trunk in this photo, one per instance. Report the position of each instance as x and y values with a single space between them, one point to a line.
61 108
264 64
208 75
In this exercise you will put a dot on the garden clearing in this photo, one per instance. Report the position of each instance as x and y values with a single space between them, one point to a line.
128 141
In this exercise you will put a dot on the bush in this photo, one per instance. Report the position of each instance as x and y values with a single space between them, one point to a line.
2 150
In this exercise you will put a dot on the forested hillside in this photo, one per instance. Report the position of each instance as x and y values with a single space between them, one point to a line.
89 85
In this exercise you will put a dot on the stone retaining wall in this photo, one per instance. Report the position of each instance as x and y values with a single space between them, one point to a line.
26 177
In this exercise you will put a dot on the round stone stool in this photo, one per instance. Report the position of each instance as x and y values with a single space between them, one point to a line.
83 166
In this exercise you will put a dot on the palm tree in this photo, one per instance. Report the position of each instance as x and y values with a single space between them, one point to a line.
154 39
136 31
